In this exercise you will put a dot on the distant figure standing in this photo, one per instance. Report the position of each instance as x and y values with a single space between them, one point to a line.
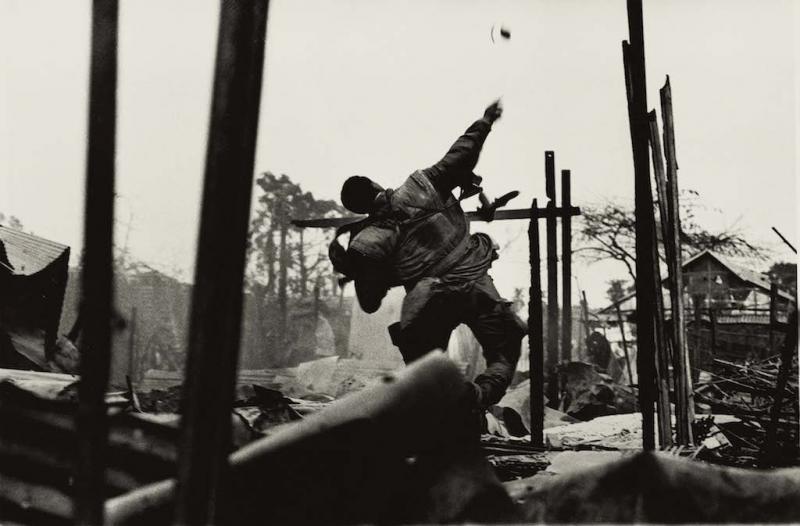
598 349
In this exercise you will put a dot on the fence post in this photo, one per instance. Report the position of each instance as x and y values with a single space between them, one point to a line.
552 279
566 268
535 335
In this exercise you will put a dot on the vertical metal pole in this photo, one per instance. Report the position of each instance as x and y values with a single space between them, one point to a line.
680 355
97 276
215 325
645 228
566 269
535 333
552 279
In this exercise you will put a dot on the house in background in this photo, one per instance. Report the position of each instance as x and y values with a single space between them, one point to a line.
713 282
727 310
33 278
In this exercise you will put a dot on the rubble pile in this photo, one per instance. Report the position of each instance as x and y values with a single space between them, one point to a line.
747 391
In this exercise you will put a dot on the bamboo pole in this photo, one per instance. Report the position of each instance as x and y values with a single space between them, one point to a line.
663 410
662 358
645 228
566 269
784 240
682 370
535 334
217 297
97 279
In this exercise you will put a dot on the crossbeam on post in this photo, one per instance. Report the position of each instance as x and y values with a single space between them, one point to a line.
217 298
500 215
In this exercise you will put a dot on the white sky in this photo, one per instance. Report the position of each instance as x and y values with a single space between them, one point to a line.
381 88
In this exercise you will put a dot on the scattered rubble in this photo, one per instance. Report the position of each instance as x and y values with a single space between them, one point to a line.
659 488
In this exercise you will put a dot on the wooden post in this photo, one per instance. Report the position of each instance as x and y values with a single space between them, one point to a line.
621 322
552 281
680 356
788 349
645 280
662 355
132 347
664 411
566 269
215 325
773 316
535 334
586 330
97 279
712 317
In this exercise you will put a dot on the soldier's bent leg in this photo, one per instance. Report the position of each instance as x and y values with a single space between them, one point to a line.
415 345
500 333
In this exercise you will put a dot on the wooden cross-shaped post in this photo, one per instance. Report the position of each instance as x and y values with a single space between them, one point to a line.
535 336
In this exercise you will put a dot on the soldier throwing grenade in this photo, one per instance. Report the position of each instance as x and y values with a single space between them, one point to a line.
417 236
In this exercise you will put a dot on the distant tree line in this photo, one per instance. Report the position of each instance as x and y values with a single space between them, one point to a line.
284 261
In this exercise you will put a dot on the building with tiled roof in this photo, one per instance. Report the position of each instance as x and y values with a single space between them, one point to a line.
33 277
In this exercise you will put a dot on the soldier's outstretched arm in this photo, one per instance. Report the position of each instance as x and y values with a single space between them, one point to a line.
455 168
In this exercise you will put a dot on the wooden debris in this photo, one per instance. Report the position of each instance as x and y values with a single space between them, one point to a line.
350 459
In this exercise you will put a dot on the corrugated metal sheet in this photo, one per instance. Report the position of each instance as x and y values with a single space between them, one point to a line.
27 253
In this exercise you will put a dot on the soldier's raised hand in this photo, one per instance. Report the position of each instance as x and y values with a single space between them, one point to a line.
493 111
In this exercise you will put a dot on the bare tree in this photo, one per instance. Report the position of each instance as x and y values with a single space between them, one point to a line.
609 233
